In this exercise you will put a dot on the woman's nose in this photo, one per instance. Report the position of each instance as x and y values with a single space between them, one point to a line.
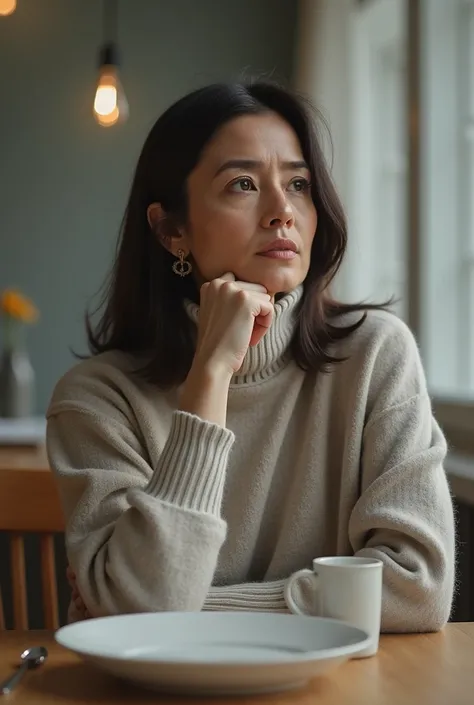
278 215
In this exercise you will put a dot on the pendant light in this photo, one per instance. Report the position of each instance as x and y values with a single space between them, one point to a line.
7 7
110 103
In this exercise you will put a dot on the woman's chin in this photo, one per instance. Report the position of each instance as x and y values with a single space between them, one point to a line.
280 277
281 284
276 280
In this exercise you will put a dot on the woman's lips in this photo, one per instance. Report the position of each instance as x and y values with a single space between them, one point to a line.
278 254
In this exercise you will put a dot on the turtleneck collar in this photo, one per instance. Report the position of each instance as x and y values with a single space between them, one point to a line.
272 352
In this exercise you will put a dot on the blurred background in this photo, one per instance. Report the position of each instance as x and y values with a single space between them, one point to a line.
395 82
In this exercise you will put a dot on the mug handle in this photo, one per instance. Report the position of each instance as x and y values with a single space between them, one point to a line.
304 573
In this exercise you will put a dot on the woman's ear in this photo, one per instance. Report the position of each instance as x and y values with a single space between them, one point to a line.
154 214
166 231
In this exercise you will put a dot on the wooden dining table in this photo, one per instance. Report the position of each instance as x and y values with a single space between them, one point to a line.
421 669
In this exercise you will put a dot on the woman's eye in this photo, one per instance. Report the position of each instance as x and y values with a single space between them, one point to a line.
299 185
243 184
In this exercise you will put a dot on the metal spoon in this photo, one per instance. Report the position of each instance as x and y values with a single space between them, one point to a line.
31 658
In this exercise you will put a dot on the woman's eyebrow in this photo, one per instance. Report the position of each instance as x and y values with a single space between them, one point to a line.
255 164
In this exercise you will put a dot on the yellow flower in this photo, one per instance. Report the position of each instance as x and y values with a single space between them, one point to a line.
14 304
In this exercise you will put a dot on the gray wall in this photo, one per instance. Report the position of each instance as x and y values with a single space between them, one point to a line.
64 179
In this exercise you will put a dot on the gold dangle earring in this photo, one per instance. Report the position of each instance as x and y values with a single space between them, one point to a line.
182 267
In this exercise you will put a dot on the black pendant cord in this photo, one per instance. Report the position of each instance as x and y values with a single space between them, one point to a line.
109 51
110 21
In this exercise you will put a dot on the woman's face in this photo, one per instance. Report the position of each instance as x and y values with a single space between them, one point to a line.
250 206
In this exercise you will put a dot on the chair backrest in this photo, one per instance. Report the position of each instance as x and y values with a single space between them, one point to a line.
29 503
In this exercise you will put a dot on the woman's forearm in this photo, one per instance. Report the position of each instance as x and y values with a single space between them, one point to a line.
205 393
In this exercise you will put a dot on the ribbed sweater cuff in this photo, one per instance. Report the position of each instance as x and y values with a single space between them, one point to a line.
192 466
260 597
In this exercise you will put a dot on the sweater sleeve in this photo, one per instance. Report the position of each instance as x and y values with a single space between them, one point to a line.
248 597
139 538
404 515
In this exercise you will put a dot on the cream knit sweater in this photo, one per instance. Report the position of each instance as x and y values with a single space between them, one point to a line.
166 511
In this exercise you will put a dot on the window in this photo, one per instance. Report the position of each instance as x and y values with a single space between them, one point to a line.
395 79
447 181
377 204
466 46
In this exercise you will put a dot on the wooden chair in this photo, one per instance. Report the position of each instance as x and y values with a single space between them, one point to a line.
29 503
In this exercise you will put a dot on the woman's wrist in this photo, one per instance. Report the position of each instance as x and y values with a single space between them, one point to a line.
206 391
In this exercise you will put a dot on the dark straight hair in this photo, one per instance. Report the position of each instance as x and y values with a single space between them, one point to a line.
142 309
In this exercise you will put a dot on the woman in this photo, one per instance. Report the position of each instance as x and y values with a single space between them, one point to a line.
234 421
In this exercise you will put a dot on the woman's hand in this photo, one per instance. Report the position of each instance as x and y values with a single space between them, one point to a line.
233 316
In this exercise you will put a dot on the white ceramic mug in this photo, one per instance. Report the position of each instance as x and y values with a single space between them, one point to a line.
348 588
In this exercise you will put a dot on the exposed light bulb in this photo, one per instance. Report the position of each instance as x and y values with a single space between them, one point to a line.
110 103
106 108
7 7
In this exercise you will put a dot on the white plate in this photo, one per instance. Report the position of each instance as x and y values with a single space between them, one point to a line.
220 653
